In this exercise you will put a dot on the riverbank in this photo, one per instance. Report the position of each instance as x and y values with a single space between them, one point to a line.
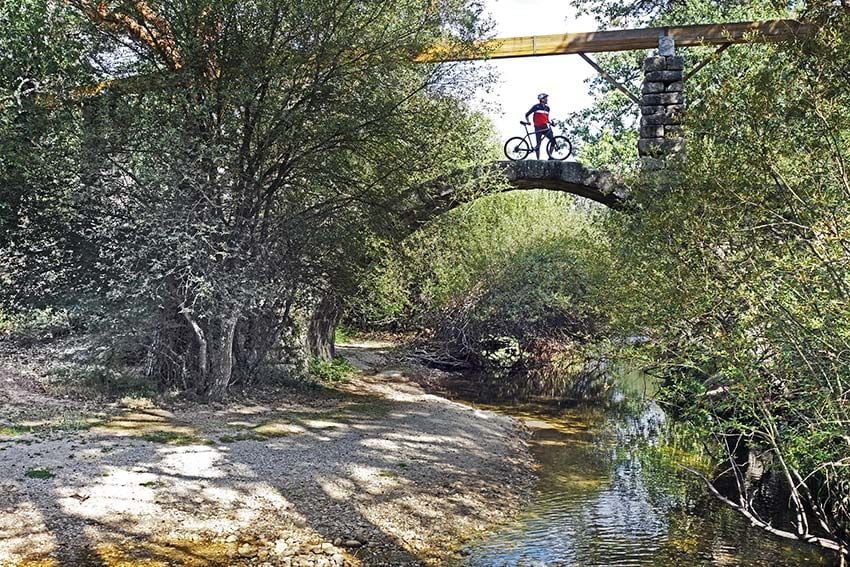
372 472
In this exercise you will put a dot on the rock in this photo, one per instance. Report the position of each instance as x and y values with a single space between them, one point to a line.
663 76
327 548
263 554
337 559
281 546
652 131
650 88
352 543
676 63
247 550
666 47
654 64
231 538
663 99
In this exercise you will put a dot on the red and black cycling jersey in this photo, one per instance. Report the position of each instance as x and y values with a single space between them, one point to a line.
541 115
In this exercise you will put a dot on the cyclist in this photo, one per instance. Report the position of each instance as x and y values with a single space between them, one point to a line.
541 121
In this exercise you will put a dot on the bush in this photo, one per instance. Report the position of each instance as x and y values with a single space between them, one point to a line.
37 324
331 371
500 284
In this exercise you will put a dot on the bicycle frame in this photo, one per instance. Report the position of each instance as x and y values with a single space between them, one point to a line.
530 133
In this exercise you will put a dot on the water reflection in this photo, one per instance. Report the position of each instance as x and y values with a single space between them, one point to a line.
598 503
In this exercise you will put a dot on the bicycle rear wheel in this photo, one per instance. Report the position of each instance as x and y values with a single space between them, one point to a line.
517 148
559 148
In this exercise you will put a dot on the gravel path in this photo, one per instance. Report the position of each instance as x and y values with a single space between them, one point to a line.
377 472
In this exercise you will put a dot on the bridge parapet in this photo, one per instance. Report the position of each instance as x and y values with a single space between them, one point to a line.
566 176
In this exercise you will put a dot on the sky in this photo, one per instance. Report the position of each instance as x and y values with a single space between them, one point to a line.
560 76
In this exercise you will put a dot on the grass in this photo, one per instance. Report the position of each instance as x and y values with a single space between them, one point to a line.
172 438
16 430
86 378
63 423
245 436
333 371
41 474
344 334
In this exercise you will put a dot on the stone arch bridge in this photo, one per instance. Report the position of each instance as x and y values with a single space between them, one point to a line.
661 100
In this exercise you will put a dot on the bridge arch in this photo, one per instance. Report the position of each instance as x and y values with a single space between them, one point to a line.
441 195
568 177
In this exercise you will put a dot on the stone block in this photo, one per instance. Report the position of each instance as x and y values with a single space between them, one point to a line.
661 119
674 131
654 64
652 164
649 88
674 109
652 131
651 109
659 146
663 76
666 46
649 146
676 87
662 99
675 63
672 98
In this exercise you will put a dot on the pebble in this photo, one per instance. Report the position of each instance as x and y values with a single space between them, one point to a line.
247 550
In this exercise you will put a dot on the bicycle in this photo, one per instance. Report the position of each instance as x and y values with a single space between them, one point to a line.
517 148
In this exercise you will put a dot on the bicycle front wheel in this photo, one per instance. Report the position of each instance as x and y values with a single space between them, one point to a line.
559 148
517 148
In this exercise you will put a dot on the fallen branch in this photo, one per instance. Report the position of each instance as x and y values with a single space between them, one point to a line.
807 537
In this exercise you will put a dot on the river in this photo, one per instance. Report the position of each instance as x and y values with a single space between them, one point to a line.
609 494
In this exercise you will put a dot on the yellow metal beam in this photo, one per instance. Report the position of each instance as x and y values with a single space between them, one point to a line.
623 40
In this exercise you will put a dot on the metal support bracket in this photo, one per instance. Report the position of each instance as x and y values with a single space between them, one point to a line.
610 79
706 61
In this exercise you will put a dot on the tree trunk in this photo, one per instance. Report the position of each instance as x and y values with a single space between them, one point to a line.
220 373
321 329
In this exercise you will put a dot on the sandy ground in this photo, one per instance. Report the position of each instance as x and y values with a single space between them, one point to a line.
376 472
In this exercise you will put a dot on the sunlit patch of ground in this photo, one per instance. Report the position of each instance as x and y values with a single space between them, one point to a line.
155 425
375 468
153 553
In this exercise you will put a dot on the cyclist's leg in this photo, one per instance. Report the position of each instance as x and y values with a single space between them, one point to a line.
538 133
551 137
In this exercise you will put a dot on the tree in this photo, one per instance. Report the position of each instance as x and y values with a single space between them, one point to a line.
240 153
738 271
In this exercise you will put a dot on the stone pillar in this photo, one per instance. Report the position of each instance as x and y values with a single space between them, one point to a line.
662 106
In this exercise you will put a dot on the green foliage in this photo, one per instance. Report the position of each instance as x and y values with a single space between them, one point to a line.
40 474
205 200
331 371
37 324
737 267
97 379
344 334
500 283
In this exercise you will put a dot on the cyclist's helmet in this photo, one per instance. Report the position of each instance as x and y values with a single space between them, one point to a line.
541 96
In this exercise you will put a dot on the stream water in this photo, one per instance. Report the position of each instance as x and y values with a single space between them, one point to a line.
601 500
